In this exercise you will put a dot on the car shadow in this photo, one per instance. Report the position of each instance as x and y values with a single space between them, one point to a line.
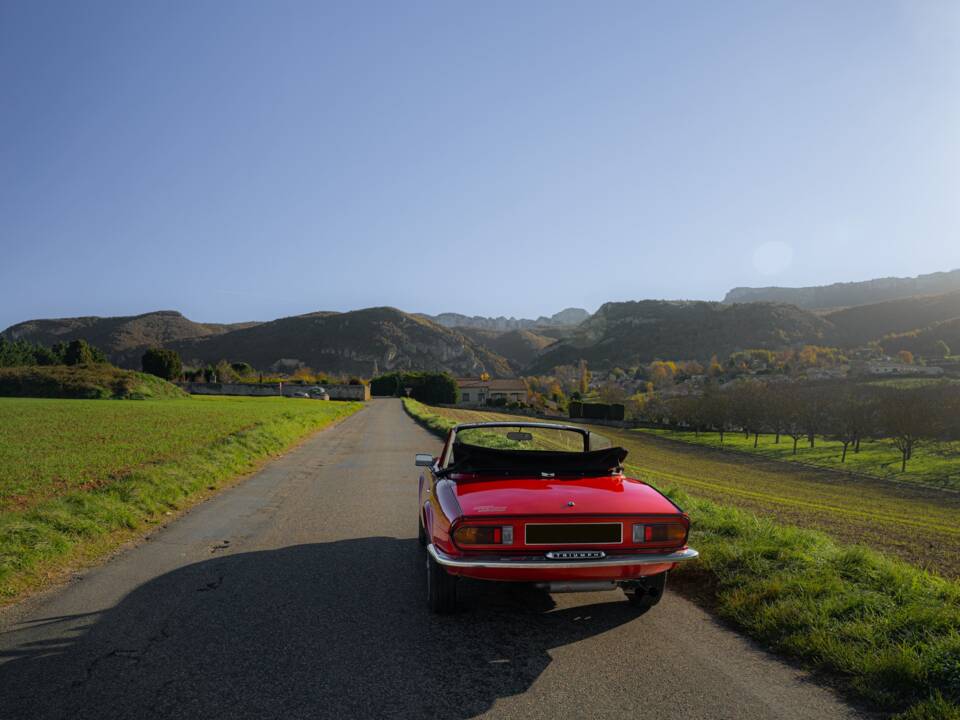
336 629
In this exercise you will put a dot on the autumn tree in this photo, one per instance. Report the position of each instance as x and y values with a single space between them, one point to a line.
906 357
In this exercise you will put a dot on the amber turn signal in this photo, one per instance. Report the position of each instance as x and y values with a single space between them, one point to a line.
483 535
659 533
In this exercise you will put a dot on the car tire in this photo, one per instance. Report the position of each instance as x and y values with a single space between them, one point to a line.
646 592
441 588
421 533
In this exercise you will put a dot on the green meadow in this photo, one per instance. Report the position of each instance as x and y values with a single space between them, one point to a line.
77 477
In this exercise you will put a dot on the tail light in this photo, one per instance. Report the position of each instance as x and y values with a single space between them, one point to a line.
484 535
659 533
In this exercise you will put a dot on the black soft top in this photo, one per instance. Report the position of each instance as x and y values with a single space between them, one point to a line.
469 458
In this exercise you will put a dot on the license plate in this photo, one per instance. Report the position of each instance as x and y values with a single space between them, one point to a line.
574 533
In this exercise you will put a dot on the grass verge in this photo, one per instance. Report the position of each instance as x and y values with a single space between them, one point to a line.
886 631
104 494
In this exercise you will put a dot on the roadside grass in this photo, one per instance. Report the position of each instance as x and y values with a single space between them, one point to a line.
888 632
933 463
78 477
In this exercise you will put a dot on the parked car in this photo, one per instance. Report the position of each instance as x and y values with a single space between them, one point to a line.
544 504
318 393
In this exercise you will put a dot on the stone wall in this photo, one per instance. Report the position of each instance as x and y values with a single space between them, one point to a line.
336 392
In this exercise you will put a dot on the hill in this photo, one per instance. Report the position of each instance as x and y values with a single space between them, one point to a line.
364 342
122 338
623 334
518 347
859 325
92 382
565 318
926 341
840 295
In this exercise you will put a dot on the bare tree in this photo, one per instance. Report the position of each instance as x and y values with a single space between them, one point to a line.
907 417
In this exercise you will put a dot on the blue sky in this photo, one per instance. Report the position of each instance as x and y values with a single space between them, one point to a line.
238 160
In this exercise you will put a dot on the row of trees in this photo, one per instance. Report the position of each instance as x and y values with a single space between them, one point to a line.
20 353
845 412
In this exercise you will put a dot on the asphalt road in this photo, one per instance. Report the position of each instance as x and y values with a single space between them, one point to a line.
300 593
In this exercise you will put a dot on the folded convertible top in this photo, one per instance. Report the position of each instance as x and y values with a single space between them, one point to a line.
474 458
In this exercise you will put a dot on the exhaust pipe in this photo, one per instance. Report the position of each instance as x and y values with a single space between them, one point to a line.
577 586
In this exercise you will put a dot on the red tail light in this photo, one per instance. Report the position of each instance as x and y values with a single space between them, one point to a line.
483 535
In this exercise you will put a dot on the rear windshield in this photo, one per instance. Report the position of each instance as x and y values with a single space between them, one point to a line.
523 438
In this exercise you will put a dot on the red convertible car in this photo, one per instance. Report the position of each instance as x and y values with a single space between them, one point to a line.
539 503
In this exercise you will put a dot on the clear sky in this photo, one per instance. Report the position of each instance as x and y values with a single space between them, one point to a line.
239 160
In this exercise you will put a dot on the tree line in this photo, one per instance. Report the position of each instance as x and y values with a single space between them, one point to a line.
842 411
22 353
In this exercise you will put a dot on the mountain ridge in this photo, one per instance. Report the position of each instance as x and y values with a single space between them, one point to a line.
848 294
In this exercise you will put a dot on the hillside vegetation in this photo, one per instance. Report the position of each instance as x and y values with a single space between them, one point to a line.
517 347
859 325
626 333
363 342
78 477
123 338
99 381
888 632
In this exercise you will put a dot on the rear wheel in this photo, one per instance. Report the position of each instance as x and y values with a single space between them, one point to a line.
421 533
646 592
441 588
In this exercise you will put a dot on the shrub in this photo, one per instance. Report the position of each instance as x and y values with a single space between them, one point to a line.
80 352
576 409
243 369
431 388
162 363
596 411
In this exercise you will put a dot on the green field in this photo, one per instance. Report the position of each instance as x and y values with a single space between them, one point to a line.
933 463
78 476
884 630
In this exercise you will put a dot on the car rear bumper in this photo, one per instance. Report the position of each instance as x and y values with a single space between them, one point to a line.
501 567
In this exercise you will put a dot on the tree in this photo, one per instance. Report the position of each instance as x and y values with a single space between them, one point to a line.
716 410
850 415
907 417
242 369
943 350
584 378
747 408
813 411
790 410
163 363
906 357
80 352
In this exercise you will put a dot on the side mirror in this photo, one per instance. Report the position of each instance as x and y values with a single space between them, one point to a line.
424 460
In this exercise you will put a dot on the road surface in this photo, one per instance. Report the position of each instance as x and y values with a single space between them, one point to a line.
300 594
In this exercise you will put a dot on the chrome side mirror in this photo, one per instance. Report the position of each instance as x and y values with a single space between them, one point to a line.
424 460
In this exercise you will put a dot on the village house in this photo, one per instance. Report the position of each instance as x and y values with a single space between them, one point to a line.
877 367
476 391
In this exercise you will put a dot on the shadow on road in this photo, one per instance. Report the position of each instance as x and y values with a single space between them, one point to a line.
324 630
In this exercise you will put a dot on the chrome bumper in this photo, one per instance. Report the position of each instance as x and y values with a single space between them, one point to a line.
542 563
